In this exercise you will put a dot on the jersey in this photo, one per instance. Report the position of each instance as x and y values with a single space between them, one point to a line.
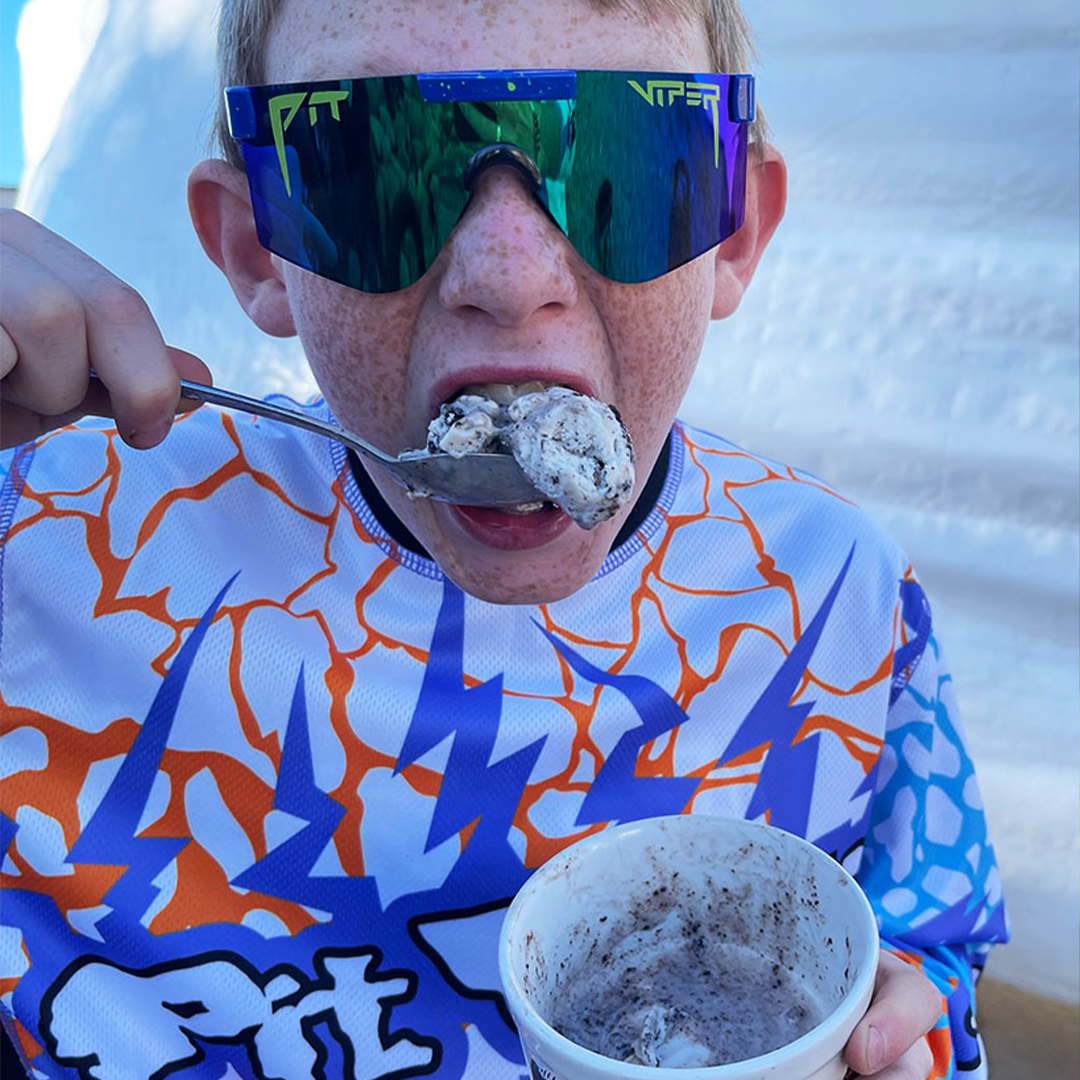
270 780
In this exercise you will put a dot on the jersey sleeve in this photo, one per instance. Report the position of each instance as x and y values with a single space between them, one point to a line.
928 867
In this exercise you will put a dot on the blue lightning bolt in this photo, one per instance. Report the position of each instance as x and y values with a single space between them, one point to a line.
109 837
8 829
787 777
285 871
916 613
617 794
472 787
848 835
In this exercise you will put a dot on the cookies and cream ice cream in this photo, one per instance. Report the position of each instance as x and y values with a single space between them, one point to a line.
572 447
662 991
470 424
691 941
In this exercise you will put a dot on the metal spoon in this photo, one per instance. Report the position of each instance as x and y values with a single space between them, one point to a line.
474 479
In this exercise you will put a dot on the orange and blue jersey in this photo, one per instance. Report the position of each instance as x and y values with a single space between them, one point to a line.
269 780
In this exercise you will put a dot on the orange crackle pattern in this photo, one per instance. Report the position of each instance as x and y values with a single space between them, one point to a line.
203 894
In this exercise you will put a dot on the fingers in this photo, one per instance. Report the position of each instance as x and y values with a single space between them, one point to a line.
914 1065
8 353
904 1008
64 313
43 320
189 366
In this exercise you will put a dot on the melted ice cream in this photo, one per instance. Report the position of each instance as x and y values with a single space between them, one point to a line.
573 448
666 995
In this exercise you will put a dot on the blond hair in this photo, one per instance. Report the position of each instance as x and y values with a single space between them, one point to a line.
244 27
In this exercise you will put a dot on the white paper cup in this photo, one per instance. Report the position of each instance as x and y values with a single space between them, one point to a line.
823 931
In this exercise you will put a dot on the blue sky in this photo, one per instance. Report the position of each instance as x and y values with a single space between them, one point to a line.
10 122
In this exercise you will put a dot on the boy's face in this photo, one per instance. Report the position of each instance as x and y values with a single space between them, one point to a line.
508 300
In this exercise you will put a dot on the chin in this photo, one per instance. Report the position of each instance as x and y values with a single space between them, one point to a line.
504 558
523 587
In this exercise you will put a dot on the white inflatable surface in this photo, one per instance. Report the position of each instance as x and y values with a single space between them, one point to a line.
912 335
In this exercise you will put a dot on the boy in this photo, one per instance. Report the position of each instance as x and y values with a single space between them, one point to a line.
302 737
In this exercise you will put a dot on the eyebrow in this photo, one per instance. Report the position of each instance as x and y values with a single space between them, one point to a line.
381 63
389 63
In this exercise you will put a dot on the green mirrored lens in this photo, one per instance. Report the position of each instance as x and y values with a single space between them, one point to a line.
363 180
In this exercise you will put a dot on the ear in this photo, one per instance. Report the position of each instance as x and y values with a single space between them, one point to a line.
220 207
737 257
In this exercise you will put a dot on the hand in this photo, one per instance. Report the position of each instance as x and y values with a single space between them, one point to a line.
888 1042
62 313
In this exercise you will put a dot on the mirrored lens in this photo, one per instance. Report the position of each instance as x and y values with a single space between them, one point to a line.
363 180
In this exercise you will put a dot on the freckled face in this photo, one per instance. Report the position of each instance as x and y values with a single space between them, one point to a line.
508 293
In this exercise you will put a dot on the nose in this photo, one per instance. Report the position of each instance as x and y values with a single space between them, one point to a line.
506 258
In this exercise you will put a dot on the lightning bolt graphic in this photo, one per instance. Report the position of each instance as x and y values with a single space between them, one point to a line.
617 794
285 871
851 834
109 838
472 786
8 829
787 777
915 611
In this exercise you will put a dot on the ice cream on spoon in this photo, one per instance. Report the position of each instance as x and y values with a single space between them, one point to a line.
572 447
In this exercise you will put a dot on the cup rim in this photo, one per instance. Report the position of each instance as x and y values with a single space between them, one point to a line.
855 999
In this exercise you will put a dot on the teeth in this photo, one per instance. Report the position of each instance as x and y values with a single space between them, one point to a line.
525 508
504 393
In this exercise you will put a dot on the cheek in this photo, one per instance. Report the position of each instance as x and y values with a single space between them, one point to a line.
357 346
657 330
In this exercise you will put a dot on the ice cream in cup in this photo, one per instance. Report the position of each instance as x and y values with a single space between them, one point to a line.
688 948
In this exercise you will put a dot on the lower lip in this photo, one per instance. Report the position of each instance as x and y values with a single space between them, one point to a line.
511 532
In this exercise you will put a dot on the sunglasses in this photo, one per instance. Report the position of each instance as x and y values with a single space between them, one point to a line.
363 180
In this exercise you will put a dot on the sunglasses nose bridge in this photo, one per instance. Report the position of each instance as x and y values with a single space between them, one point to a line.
501 154
506 256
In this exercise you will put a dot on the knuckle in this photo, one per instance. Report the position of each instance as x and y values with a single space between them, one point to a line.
931 1000
118 303
50 309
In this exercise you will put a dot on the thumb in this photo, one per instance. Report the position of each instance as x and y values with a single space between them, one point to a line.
190 367
904 1008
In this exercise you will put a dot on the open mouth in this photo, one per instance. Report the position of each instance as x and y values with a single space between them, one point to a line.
474 420
502 529
572 447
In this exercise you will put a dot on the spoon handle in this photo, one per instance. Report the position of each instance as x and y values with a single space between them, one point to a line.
214 395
